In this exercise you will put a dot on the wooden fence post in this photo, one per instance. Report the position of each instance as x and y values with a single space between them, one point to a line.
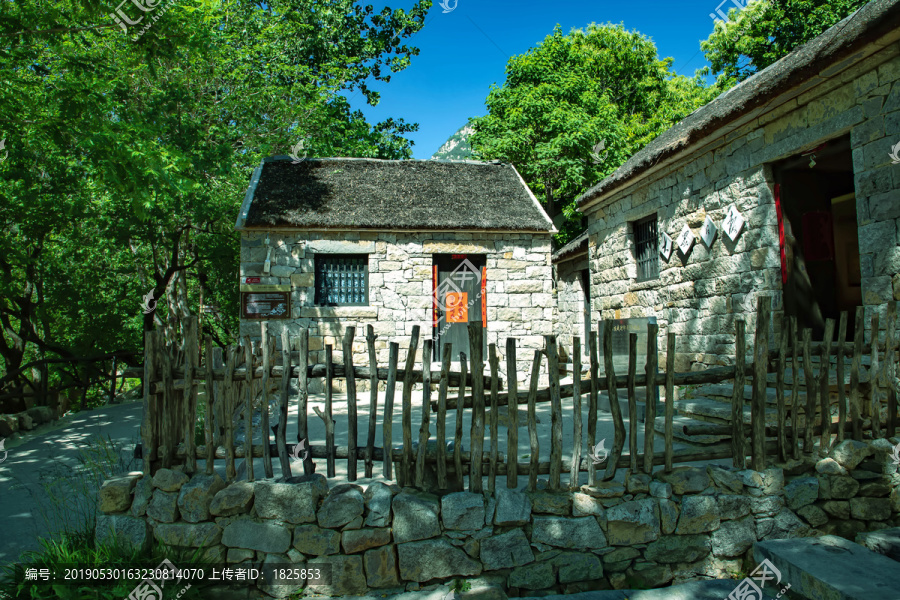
532 421
494 362
283 400
795 389
632 404
352 420
810 392
446 354
476 434
512 402
424 432
858 338
890 370
556 429
248 419
670 399
329 391
575 471
652 391
387 439
264 408
408 379
457 438
841 388
303 398
210 385
779 388
824 391
615 409
592 404
875 378
373 399
151 404
229 395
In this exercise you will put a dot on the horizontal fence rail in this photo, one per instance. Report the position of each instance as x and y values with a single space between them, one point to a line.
246 381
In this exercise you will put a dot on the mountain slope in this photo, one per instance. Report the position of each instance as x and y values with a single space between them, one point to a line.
457 146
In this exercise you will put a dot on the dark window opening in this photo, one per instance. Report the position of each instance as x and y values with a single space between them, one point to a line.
646 248
342 279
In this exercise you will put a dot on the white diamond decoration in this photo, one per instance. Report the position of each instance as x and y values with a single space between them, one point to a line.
708 232
685 240
733 223
666 246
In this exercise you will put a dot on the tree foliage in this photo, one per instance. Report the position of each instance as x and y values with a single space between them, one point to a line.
576 107
130 149
766 30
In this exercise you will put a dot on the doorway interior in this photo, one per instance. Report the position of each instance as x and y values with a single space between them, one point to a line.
459 283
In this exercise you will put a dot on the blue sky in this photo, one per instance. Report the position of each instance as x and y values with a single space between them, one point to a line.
464 52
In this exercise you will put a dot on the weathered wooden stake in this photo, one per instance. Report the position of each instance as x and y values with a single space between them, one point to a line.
875 378
592 404
387 440
858 337
841 388
632 403
329 390
230 396
460 406
284 399
512 431
575 473
494 361
476 435
406 470
532 422
670 399
373 400
810 392
795 389
248 414
303 398
779 389
652 391
739 451
442 416
824 391
264 409
424 432
352 419
615 409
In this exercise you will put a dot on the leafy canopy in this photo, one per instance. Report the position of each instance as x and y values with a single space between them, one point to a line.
576 107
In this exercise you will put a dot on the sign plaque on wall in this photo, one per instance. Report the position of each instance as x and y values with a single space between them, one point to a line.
686 240
708 232
266 305
666 246
733 223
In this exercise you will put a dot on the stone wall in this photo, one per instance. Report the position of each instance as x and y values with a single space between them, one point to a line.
570 303
700 295
520 303
648 532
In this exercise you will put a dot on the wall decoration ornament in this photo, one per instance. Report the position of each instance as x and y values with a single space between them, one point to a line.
708 232
666 245
733 223
686 239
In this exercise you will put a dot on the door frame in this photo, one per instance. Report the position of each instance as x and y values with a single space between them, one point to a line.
478 261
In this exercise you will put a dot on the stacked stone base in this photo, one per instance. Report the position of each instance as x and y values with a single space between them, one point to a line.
693 523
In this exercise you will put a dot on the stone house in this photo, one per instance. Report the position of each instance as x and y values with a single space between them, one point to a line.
809 143
338 242
571 276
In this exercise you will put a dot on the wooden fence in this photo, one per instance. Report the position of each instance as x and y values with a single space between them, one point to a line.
244 374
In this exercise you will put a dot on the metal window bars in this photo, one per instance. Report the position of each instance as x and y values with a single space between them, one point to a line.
646 248
342 280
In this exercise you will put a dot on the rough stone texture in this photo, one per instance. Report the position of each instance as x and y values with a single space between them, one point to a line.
850 453
115 494
163 506
533 577
648 575
513 507
732 506
638 483
196 496
143 492
843 488
415 517
698 515
766 506
837 508
191 535
294 503
574 566
678 548
829 466
381 567
551 503
831 567
265 536
463 511
238 555
343 504
885 541
685 480
604 489
433 559
874 489
770 481
235 499
668 516
169 480
378 504
801 492
813 515
584 505
733 538
347 576
279 588
870 509
727 480
312 539
660 489
130 533
785 524
364 539
583 532
507 550
635 522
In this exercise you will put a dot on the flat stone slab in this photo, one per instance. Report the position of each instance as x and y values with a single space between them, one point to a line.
719 412
883 541
831 568
714 589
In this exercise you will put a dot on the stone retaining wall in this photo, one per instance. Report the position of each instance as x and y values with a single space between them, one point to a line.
693 523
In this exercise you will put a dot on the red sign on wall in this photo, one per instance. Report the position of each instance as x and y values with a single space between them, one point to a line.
252 280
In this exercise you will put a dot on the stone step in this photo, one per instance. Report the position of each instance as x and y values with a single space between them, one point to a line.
713 589
713 411
640 405
678 422
831 568
723 391
832 375
883 541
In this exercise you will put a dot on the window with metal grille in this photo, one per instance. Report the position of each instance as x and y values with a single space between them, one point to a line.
646 250
342 279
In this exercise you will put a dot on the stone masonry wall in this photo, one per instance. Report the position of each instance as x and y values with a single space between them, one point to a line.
700 295
688 524
520 303
570 303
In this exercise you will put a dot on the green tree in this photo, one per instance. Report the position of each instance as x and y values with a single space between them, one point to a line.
130 151
576 107
765 30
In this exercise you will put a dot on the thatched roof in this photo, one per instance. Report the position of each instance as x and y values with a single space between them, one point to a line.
356 193
577 246
800 68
